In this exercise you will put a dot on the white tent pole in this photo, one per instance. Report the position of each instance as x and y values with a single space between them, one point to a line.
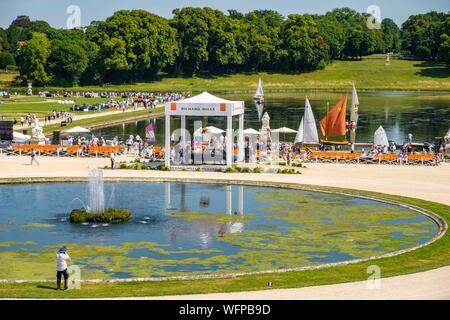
241 200
229 200
229 141
183 130
167 147
167 196
241 138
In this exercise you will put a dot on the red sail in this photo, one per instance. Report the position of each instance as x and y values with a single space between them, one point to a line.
334 123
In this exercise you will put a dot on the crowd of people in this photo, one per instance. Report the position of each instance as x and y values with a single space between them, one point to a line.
28 120
155 96
134 145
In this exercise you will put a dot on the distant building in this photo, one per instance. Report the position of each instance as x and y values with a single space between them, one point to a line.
21 21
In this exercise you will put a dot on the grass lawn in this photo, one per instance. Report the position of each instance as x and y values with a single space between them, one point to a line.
16 107
105 120
429 257
6 78
369 74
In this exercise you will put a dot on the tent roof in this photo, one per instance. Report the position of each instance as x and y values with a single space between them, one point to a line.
251 131
284 130
204 97
78 130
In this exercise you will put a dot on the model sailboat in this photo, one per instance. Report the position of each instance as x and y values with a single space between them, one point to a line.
307 131
334 124
380 137
259 96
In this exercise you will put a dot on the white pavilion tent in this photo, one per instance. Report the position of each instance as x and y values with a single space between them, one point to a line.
206 104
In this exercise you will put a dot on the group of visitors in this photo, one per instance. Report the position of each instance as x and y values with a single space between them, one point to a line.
29 119
158 96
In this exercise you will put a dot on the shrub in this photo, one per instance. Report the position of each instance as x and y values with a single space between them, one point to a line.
109 216
288 171
162 168
258 170
231 169
138 166
245 170
123 166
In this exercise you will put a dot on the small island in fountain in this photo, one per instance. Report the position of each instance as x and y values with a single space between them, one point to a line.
95 211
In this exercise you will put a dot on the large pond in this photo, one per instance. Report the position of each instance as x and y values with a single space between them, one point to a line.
425 114
189 229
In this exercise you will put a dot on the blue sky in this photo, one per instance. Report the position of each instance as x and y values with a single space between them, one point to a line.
54 11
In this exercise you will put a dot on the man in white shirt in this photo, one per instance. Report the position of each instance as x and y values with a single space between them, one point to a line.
61 267
112 156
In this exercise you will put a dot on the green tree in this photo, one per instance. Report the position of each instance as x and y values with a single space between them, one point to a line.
304 46
333 33
6 59
193 38
4 44
444 49
264 39
391 35
92 74
34 55
421 34
146 43
114 61
67 62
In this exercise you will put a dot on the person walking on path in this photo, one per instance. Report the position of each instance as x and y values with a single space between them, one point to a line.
61 267
33 157
113 159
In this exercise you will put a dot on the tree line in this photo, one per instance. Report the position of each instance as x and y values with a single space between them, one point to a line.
136 45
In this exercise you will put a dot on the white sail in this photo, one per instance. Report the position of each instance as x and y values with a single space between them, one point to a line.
299 136
380 137
260 90
355 104
260 109
310 134
307 131
354 114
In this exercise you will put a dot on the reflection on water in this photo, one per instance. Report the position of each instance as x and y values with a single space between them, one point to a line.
195 228
425 114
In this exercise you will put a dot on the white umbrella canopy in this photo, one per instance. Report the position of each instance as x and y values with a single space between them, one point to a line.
78 130
208 130
284 130
214 130
251 131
